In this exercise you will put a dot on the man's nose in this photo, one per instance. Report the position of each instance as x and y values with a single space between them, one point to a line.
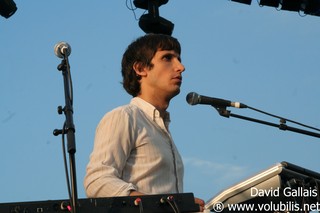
180 66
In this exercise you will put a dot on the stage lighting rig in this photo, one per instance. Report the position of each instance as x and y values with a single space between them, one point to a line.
270 3
153 22
7 8
309 7
291 5
312 7
243 1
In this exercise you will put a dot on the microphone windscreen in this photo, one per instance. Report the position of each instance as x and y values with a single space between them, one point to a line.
62 48
192 98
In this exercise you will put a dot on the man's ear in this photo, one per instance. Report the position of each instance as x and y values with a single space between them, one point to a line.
140 69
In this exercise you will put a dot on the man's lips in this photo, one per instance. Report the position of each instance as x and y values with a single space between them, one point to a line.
179 78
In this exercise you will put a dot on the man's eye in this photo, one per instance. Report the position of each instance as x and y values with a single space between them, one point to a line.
167 57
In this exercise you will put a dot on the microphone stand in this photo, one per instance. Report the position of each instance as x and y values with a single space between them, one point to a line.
282 126
69 128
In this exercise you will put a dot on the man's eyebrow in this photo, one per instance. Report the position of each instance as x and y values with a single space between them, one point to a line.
171 52
176 55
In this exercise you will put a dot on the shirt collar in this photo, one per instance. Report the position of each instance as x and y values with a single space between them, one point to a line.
150 110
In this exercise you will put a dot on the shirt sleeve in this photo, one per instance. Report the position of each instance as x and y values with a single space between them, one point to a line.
112 146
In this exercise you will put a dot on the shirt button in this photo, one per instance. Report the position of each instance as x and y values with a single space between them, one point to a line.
157 114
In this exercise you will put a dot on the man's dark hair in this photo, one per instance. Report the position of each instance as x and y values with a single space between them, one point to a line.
142 50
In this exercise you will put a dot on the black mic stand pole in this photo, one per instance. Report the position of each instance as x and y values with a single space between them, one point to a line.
282 126
69 129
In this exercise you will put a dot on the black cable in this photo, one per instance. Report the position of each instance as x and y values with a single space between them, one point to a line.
65 164
172 204
132 9
138 202
173 207
70 82
140 207
283 119
131 6
175 204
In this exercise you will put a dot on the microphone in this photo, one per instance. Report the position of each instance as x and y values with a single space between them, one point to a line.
62 49
194 98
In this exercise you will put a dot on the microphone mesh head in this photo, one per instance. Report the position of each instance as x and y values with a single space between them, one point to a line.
192 98
62 48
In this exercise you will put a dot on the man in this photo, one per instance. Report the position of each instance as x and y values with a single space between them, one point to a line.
134 153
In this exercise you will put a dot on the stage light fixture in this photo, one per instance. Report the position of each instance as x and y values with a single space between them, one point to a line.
7 8
158 25
153 22
243 1
291 5
308 7
144 4
271 3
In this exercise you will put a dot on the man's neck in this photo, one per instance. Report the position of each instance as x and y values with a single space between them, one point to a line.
160 104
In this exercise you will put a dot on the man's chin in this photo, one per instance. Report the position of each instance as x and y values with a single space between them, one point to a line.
176 92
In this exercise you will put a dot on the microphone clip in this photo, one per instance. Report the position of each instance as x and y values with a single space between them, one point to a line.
63 65
222 111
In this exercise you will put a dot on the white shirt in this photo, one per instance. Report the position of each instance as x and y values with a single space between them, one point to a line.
133 150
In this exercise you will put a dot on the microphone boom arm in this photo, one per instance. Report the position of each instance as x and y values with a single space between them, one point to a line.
282 126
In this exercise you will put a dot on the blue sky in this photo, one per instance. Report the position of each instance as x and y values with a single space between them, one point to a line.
262 57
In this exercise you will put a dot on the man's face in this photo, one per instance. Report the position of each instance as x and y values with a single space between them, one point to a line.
165 78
